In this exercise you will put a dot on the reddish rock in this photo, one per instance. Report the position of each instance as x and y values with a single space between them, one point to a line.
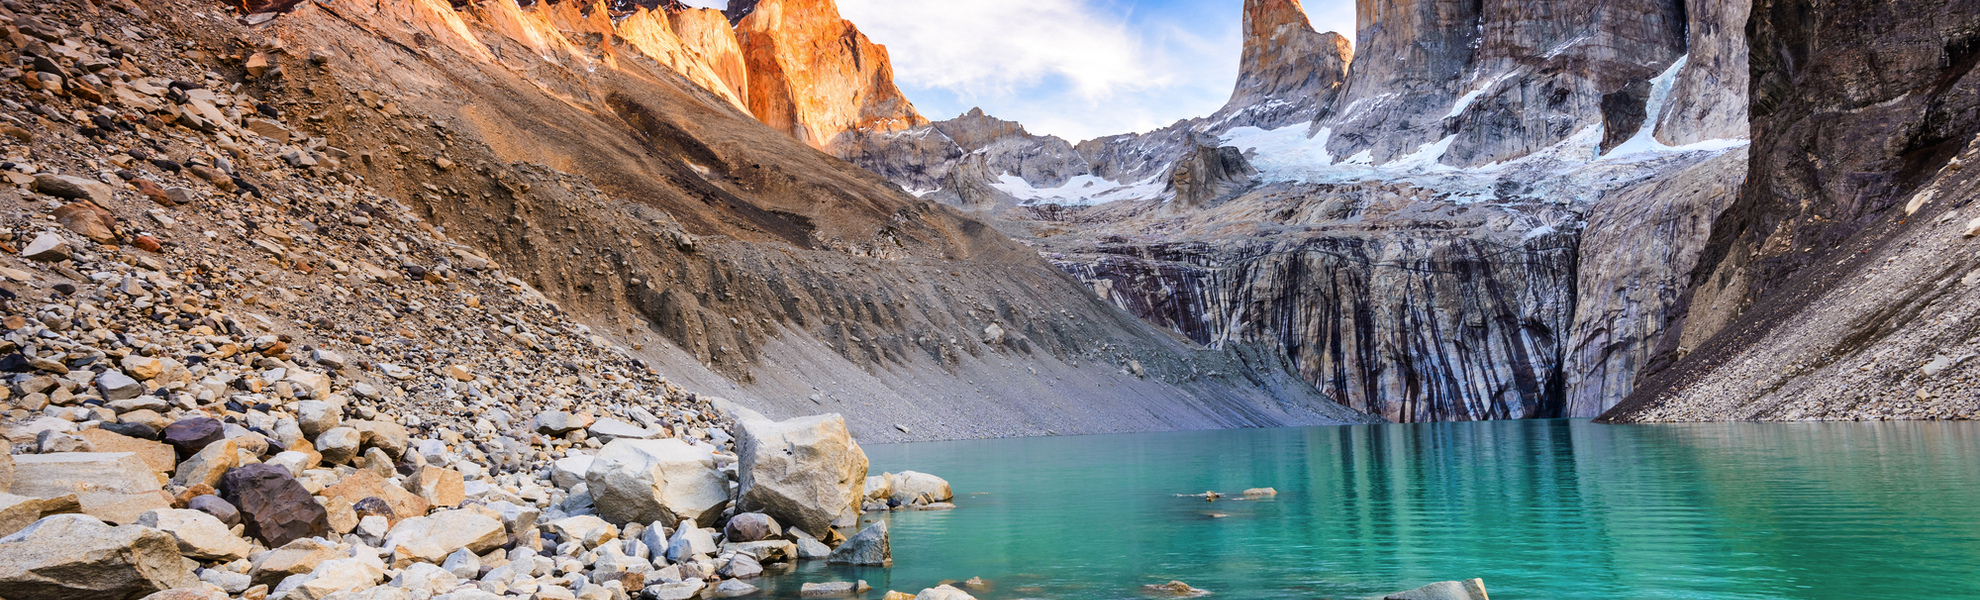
275 507
155 193
815 77
88 220
147 243
192 435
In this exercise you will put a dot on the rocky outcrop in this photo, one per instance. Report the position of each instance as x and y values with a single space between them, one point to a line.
1838 285
1503 79
1708 100
1206 174
1289 73
707 32
815 77
1637 253
1390 301
965 161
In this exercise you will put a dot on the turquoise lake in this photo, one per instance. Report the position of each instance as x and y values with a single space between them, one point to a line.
1539 509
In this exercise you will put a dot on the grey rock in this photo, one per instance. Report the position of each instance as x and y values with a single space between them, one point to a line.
750 527
642 481
47 247
199 535
118 386
1470 589
867 548
806 472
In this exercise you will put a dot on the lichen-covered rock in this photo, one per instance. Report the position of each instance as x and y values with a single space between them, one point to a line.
276 508
77 557
806 472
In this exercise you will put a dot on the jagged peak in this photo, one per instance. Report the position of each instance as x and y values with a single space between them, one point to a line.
738 9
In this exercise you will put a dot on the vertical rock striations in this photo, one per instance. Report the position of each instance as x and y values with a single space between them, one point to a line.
1637 252
815 77
1708 101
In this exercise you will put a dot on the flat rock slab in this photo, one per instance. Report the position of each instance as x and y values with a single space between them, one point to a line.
112 486
77 557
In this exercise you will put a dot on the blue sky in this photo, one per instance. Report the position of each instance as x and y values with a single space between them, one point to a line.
1078 69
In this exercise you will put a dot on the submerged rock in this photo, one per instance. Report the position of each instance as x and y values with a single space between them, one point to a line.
1470 589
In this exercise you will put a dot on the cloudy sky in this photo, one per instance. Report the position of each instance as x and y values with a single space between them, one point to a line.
1078 69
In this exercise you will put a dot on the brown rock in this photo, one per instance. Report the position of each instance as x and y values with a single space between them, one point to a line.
159 457
294 558
17 512
206 467
75 557
88 220
438 486
155 192
366 484
815 77
112 486
276 508
147 244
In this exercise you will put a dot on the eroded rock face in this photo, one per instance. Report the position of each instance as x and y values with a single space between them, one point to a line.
1207 174
1839 285
815 77
1400 305
1637 254
806 472
78 557
1289 72
1708 100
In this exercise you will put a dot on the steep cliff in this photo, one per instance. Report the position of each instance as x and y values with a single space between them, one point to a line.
1288 72
1499 79
1389 298
726 254
1840 284
815 77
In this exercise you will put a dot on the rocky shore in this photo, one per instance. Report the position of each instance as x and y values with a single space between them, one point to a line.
274 382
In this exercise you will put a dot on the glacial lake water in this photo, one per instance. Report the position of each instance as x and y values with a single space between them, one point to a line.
1540 509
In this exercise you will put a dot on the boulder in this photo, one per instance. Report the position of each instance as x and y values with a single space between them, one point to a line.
200 535
383 435
160 457
77 557
910 487
438 486
1470 589
569 471
741 566
294 558
877 488
18 512
192 435
943 592
766 551
216 506
118 386
364 484
868 548
828 588
810 549
431 538
48 247
276 508
208 465
339 445
462 564
806 472
335 576
198 593
750 527
427 580
316 417
112 486
682 590
607 430
560 423
642 481
688 541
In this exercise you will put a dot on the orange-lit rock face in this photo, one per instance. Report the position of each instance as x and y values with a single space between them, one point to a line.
706 32
815 77
1289 71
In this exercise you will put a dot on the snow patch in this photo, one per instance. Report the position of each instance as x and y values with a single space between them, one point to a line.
1081 190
